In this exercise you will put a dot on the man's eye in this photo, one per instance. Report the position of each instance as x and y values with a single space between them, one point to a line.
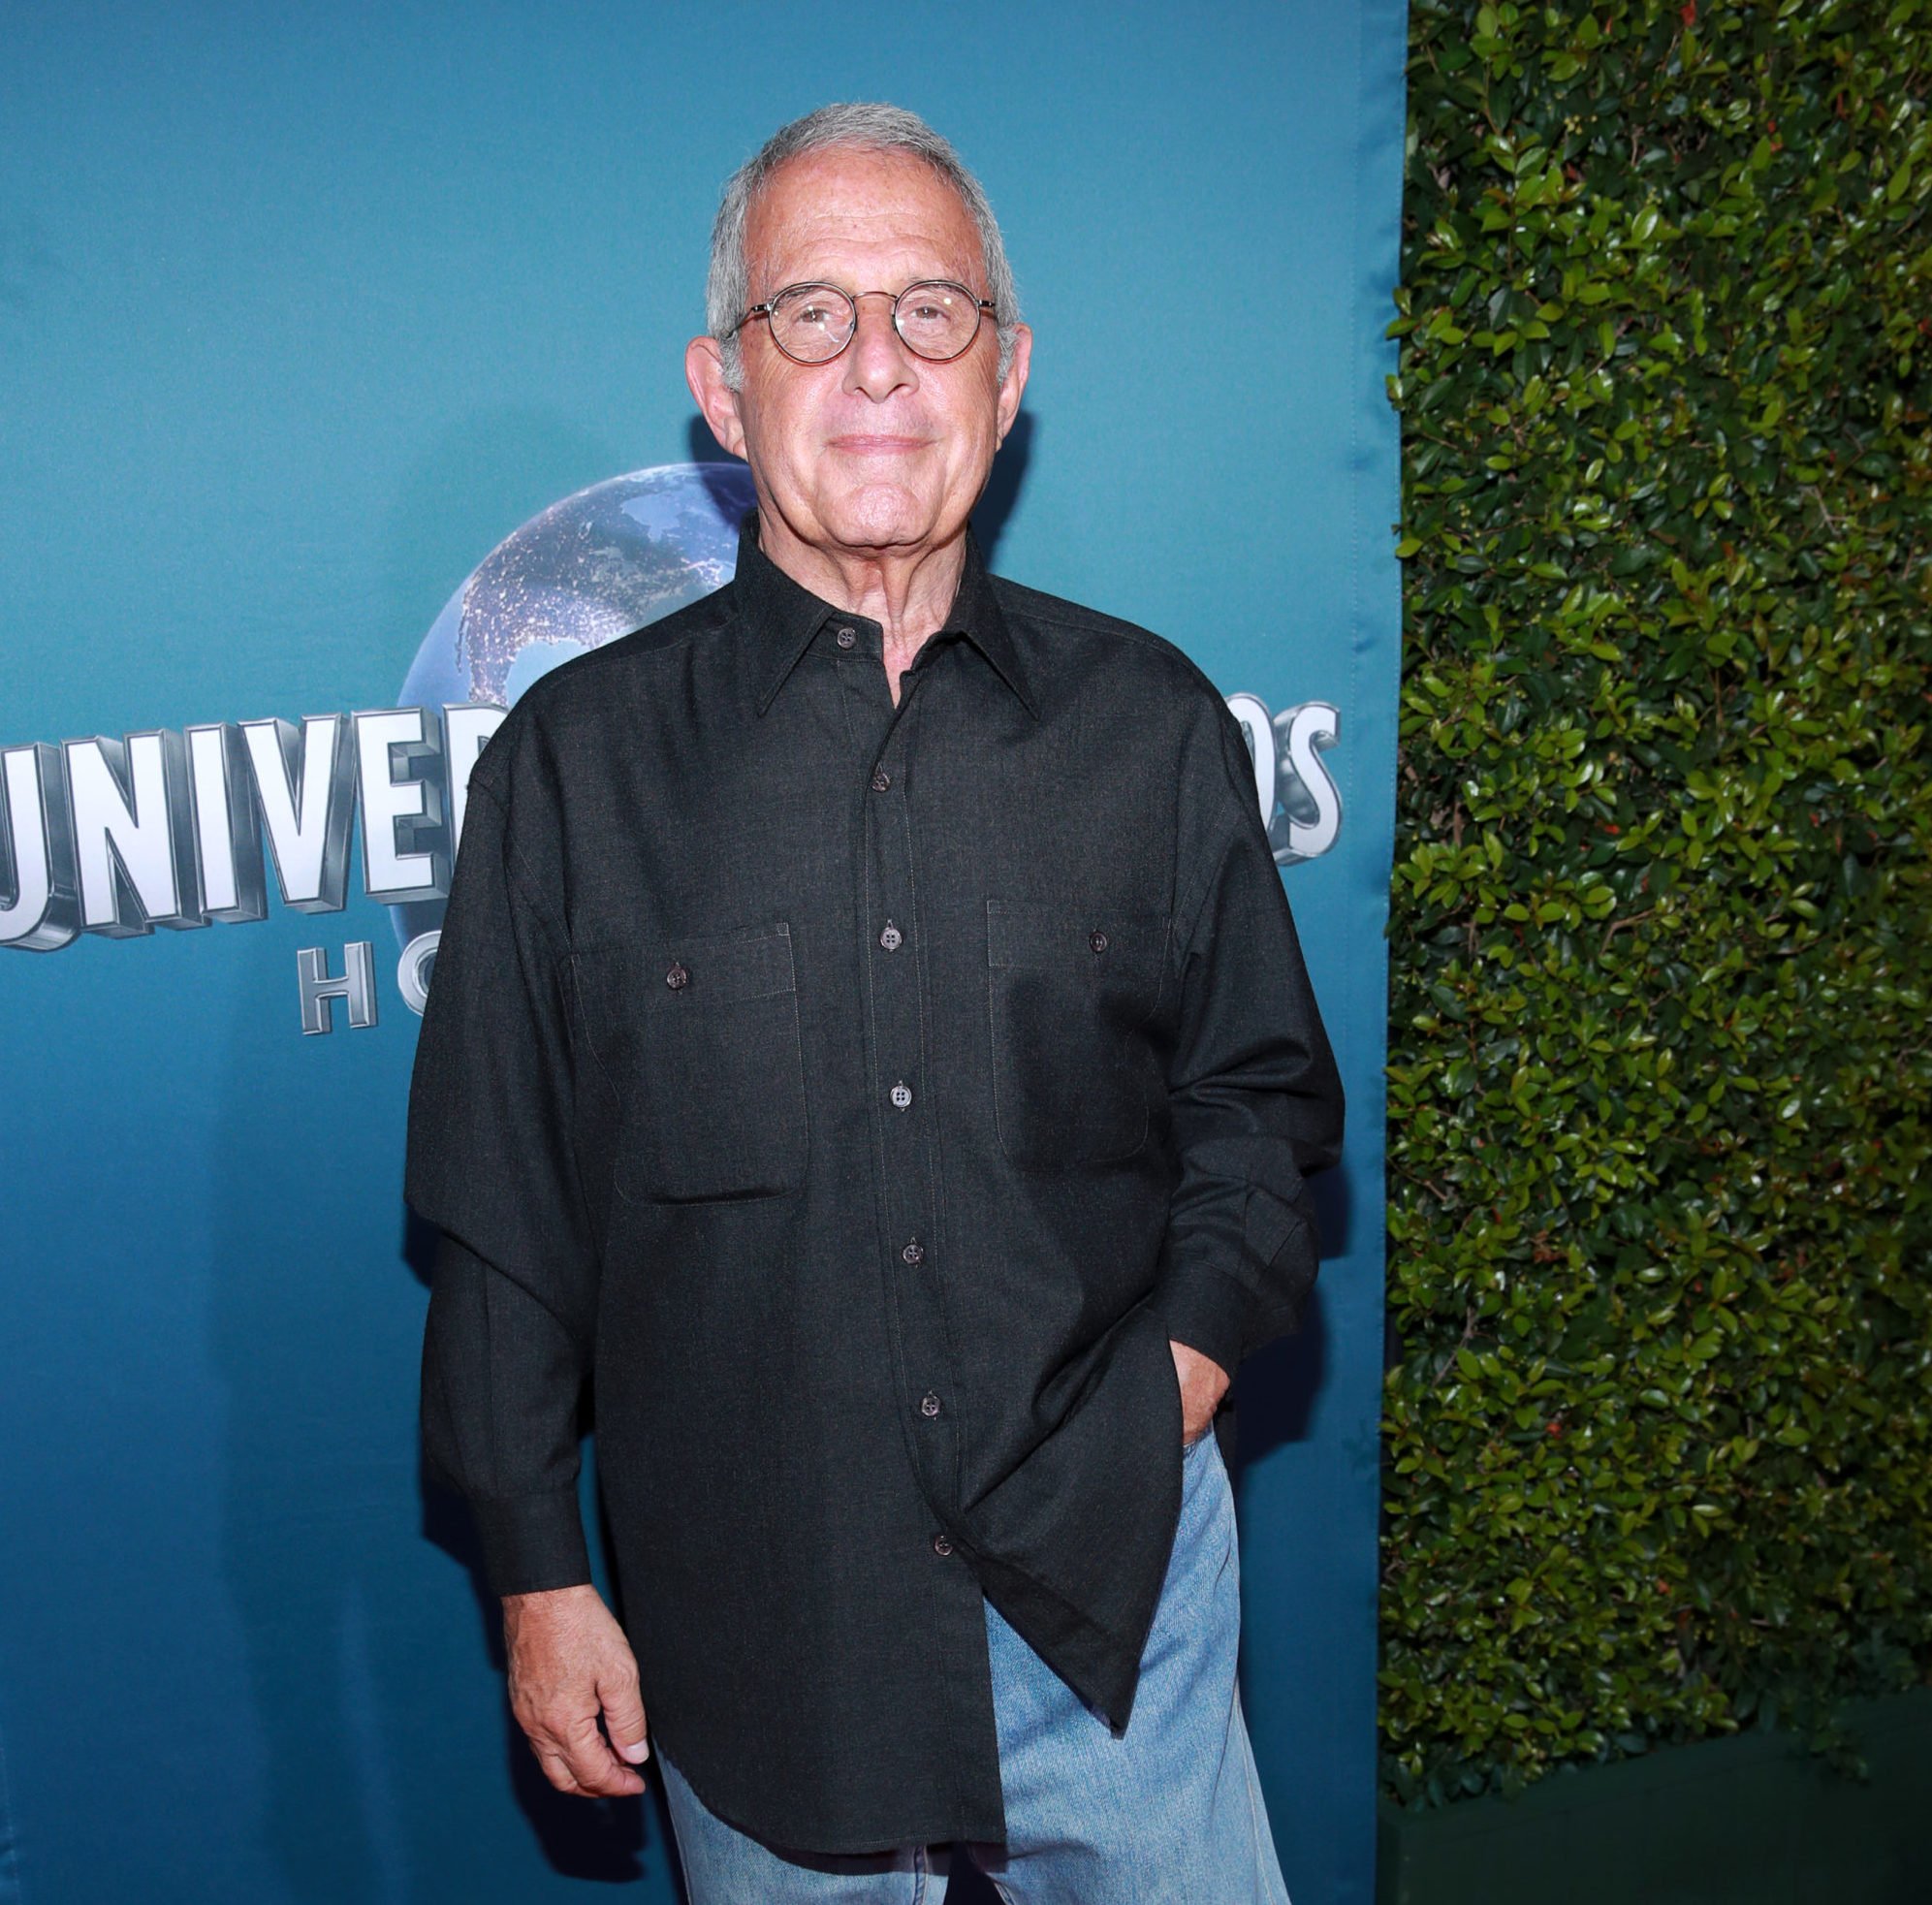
813 314
927 313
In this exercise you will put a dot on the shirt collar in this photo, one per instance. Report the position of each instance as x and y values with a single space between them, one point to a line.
781 616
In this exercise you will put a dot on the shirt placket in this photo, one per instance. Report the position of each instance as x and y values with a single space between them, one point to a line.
901 1085
905 1146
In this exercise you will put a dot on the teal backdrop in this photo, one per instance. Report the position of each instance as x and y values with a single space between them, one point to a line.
303 311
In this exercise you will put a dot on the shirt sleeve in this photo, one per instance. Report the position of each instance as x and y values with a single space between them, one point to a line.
508 1344
1253 1086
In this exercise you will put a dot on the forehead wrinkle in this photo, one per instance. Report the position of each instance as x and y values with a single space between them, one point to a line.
851 232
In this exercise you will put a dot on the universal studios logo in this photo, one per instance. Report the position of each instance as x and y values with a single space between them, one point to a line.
178 829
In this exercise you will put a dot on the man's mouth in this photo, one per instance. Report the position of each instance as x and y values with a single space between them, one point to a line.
879 444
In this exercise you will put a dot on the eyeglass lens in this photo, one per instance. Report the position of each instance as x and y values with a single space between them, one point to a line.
815 322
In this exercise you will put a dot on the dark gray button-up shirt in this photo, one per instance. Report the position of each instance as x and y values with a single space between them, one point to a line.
856 1099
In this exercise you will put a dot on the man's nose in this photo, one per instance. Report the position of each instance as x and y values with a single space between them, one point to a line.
877 361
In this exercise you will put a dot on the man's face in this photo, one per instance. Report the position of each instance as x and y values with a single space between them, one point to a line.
878 451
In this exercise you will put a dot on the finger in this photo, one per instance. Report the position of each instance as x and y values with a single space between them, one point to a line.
594 1766
623 1716
555 1770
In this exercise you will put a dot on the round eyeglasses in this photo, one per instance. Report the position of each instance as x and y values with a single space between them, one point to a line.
935 319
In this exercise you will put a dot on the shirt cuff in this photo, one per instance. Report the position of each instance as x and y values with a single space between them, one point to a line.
1207 1310
532 1543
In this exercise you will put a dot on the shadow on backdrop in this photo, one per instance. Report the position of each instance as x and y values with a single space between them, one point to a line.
1275 1390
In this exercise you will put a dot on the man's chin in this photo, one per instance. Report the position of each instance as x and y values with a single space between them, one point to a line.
886 520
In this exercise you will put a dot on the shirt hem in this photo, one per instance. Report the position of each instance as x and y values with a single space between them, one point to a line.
981 1830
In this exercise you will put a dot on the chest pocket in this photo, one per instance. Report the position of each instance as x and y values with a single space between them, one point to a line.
702 1047
1072 1071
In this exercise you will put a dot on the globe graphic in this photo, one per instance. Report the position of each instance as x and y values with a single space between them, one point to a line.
594 566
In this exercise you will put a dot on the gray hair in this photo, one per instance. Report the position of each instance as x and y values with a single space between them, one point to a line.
865 126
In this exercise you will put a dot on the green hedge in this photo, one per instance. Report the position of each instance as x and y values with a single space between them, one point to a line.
1658 1452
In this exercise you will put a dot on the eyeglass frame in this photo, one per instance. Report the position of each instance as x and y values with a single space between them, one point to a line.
983 309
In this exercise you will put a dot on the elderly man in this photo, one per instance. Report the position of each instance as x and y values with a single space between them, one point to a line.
870 1044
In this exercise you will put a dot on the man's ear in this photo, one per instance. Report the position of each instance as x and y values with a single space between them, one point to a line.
704 371
1015 385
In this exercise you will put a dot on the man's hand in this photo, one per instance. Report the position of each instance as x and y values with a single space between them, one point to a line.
568 1660
1203 1384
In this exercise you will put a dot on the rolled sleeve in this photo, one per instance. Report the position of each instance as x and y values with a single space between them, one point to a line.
1253 1091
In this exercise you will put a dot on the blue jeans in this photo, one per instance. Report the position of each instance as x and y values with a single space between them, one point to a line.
1168 1813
